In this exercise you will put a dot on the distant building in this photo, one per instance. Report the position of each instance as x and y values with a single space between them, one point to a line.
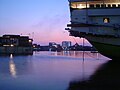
15 40
15 44
52 44
36 47
54 47
66 45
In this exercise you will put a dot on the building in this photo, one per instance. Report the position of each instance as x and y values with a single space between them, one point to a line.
66 45
15 44
51 44
54 47
36 47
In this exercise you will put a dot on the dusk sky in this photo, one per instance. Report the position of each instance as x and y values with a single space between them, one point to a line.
43 20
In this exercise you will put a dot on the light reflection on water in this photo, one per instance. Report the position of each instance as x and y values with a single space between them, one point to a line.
47 70
12 68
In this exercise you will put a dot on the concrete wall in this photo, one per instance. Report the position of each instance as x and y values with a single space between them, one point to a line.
16 50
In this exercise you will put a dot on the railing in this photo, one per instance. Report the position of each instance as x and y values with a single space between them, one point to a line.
104 6
83 6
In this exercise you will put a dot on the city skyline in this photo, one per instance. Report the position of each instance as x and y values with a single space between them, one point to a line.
44 21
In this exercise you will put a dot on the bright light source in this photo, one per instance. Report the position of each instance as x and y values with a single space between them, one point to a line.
81 6
30 41
6 45
34 46
106 20
11 45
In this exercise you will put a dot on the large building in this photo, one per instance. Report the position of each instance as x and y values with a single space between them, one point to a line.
15 44
66 45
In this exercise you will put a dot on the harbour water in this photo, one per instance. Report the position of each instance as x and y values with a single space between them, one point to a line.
54 70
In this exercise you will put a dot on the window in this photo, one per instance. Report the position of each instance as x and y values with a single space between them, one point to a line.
97 5
118 5
79 5
106 20
113 5
109 5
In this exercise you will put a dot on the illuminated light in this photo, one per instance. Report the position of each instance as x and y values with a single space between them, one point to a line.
81 6
77 5
106 20
12 68
34 46
73 5
11 45
30 41
6 45
11 56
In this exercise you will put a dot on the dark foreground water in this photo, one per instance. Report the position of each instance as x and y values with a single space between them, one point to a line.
58 71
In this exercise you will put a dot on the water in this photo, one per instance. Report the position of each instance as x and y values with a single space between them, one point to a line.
48 70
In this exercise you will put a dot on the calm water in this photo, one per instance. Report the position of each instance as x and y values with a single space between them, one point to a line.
48 70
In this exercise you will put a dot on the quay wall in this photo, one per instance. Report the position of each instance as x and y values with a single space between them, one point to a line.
16 50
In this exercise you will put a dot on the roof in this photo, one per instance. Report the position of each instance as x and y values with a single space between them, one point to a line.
11 36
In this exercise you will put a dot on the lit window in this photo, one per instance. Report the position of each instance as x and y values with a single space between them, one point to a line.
106 20
79 5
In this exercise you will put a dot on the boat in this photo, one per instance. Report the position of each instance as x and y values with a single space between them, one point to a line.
98 21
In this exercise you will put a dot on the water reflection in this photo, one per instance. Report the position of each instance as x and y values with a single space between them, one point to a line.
106 77
79 54
11 56
12 68
46 70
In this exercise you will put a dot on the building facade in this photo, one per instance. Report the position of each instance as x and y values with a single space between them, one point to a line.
15 44
66 45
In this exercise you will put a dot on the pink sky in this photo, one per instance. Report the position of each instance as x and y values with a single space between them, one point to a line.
46 19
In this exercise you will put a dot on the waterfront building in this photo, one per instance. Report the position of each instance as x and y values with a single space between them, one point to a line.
98 21
36 47
52 44
15 44
66 45
54 47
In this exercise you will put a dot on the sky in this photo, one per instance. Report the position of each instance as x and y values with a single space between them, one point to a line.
43 20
